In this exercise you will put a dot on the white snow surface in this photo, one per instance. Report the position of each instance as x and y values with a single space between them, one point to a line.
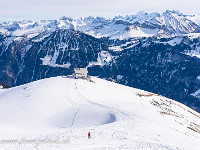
193 53
117 116
51 61
103 58
174 41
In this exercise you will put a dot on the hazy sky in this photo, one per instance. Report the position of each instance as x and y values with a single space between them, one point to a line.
53 9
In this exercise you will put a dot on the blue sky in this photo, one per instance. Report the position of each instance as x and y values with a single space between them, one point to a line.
53 9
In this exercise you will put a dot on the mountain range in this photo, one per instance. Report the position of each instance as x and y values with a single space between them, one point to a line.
154 52
167 24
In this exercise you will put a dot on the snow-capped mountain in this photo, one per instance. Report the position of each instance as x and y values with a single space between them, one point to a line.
118 117
39 57
167 24
130 51
154 52
167 66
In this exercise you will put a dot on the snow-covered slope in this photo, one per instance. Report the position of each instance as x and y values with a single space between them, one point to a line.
117 116
142 24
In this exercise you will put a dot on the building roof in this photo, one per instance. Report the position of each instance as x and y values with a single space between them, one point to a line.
81 70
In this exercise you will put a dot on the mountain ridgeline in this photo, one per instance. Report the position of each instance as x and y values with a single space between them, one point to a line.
156 66
57 54
153 52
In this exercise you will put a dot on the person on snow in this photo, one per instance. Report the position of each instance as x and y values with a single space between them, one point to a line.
89 137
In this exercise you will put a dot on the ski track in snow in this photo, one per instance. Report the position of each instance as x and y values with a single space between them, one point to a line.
74 118
115 121
83 101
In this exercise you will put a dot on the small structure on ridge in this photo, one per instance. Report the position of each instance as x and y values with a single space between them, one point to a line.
81 73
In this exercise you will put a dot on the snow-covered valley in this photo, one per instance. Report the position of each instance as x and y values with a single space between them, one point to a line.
117 116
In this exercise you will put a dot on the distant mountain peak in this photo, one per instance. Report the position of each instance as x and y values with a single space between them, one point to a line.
173 11
170 23
141 13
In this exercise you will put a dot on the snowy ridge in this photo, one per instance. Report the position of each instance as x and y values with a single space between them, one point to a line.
117 116
168 24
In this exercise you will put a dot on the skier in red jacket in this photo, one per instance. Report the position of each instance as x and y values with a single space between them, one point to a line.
89 137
